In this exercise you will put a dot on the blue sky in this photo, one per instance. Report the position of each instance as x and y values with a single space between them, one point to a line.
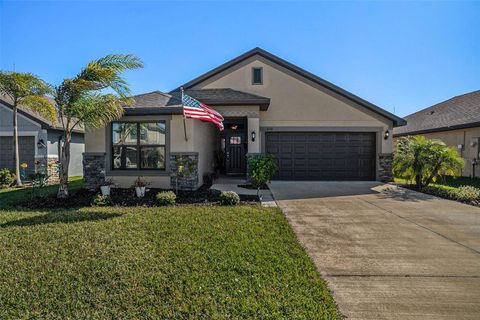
402 56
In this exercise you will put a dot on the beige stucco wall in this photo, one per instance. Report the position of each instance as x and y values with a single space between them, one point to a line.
177 134
204 143
95 140
454 138
298 102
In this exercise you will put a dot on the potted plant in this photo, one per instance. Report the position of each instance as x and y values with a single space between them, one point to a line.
106 186
140 186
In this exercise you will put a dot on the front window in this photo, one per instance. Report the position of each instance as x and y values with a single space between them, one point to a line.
138 145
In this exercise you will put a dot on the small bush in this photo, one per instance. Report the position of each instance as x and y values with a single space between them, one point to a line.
438 192
101 200
466 193
262 169
166 198
229 198
6 178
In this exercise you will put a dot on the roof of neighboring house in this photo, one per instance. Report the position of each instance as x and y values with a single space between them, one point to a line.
157 102
397 121
458 112
43 122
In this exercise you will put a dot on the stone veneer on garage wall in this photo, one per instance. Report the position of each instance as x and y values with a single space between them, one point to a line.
385 167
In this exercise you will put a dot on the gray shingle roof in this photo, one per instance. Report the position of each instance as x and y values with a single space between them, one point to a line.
157 102
45 123
458 112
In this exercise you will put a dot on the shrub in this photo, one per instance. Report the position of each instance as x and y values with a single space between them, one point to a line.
101 200
466 193
166 198
6 178
439 192
262 169
229 198
423 160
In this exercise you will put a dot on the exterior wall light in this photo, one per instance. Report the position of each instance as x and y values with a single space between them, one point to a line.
41 144
386 135
253 136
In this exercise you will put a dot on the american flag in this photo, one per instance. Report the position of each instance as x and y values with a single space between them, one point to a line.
196 110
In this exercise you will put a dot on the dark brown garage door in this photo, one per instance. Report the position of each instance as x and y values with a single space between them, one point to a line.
26 148
323 155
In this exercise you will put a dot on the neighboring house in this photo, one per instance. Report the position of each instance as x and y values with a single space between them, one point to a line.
456 122
38 141
315 130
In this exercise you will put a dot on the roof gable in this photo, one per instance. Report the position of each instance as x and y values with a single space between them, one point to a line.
397 121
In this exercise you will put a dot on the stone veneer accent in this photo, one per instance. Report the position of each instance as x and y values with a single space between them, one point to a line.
52 168
385 167
93 170
187 178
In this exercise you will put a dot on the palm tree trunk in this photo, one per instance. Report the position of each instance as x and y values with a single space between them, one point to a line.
433 175
418 181
16 156
64 163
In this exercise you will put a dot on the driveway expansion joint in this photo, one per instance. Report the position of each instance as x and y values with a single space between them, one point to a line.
422 226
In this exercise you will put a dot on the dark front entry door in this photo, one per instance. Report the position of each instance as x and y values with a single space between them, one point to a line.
235 149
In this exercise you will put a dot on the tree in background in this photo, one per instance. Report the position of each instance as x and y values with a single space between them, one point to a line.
28 91
423 161
82 101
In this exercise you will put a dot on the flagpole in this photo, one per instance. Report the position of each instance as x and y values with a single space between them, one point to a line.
184 122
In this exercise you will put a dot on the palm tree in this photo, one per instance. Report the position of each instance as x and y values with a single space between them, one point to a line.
82 101
28 91
423 160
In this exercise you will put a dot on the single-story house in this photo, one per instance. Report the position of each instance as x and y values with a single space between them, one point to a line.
38 141
315 130
456 122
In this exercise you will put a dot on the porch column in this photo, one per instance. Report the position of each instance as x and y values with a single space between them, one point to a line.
253 126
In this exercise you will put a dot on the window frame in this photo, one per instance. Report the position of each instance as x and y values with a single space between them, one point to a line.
253 76
138 146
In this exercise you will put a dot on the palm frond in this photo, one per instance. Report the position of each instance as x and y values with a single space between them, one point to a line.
120 62
42 106
18 85
97 110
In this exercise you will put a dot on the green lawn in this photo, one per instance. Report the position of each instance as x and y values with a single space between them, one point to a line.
10 196
205 262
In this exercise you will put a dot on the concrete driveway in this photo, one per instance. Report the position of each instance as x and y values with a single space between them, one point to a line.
387 252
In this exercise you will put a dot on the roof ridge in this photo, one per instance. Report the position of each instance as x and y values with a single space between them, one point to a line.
300 71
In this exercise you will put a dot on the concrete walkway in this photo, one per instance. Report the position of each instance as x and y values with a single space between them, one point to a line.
387 252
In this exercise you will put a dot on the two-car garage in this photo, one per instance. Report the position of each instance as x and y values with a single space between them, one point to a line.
323 155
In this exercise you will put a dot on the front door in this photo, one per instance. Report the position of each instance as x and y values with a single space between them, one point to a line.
235 150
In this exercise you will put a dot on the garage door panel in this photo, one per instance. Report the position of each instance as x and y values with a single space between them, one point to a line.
323 155
26 149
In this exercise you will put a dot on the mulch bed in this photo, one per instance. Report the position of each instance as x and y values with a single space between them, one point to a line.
127 197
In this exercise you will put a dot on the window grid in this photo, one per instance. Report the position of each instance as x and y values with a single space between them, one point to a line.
138 147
